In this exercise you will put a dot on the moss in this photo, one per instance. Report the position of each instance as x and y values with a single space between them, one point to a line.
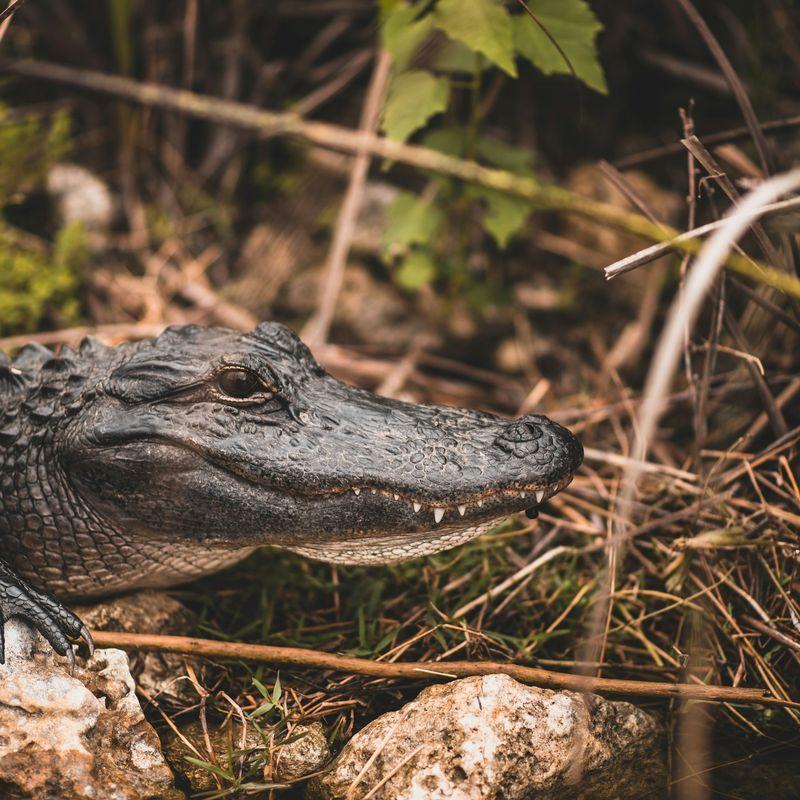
35 287
37 284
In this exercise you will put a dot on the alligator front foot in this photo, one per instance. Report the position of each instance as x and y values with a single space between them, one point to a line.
53 620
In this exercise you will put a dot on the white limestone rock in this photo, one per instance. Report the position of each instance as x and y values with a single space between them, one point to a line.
80 196
148 612
305 751
70 737
492 738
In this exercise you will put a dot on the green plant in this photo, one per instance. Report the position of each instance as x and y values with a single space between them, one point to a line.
28 148
37 285
442 54
37 282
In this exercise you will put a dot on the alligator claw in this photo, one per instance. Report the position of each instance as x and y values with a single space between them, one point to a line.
87 638
70 656
56 623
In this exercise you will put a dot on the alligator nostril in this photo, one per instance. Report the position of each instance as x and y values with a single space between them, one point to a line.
520 437
522 431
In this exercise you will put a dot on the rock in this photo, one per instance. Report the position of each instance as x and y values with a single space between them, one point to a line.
80 196
147 612
492 738
144 612
81 736
224 740
305 751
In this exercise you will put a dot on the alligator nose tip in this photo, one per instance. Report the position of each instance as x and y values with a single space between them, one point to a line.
524 430
535 436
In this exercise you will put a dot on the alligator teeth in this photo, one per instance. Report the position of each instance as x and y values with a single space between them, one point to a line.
539 495
522 494
462 510
480 503
438 513
374 491
356 491
396 496
417 506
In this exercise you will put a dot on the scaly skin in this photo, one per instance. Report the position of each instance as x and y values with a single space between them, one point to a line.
151 463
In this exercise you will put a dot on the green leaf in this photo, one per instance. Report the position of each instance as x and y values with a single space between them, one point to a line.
483 25
403 33
574 26
453 56
414 97
411 221
505 215
506 156
207 765
417 270
451 141
264 708
276 690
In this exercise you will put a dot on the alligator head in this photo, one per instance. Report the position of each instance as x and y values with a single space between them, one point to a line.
238 440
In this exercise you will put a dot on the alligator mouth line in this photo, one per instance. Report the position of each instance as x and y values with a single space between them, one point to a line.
537 492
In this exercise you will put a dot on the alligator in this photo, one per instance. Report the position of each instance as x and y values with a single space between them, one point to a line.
154 462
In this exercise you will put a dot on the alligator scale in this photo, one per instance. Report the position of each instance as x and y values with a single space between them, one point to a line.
151 463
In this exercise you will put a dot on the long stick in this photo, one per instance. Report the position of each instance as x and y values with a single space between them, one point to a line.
542 196
301 657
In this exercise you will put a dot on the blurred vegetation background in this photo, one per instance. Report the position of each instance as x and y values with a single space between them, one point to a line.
119 217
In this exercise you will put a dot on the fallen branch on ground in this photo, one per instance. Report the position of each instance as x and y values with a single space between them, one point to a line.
301 657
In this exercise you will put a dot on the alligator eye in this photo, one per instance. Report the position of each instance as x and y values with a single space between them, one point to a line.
239 383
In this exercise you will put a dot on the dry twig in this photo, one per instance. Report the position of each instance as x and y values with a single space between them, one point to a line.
301 657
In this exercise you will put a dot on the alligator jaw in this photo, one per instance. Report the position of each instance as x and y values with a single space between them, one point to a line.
509 500
439 525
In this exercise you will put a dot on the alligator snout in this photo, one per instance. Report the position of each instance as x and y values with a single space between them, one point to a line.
541 440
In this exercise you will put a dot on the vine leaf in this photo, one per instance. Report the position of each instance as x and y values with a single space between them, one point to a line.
416 270
413 98
411 221
483 25
505 216
403 32
575 27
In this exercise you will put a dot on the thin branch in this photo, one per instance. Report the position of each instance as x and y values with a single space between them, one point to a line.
737 87
682 315
318 327
717 174
649 467
110 333
773 633
542 196
414 670
720 137
776 418
12 9
655 251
